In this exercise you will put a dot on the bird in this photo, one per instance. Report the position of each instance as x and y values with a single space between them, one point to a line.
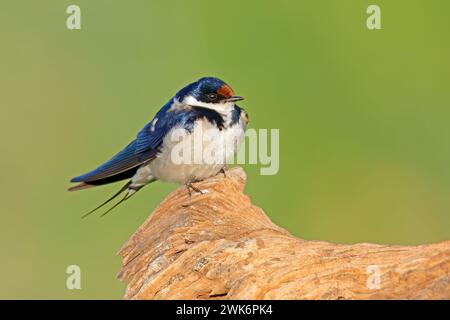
201 116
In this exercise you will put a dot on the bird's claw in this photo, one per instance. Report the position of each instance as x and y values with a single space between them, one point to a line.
189 186
224 171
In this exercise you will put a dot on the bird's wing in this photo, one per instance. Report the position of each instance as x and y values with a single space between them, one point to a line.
153 134
144 148
122 162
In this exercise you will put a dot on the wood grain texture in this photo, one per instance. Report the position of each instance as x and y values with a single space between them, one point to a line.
219 245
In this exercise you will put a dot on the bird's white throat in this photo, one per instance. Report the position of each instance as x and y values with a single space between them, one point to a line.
223 108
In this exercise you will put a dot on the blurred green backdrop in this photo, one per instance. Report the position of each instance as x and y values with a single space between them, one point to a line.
363 118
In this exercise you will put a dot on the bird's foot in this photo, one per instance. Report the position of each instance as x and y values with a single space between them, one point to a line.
224 171
190 186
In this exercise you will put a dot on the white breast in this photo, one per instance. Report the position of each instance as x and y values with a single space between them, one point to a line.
199 154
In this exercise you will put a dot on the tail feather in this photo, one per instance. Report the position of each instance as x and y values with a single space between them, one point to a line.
130 188
125 187
126 197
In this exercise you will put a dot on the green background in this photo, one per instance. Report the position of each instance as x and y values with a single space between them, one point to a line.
363 118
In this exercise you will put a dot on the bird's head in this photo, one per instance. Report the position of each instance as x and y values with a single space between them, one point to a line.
209 92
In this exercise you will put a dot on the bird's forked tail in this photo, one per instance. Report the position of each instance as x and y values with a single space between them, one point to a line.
129 192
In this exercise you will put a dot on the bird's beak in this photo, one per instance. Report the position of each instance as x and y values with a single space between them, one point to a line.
234 99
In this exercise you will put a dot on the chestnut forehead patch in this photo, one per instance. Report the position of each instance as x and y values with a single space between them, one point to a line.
226 91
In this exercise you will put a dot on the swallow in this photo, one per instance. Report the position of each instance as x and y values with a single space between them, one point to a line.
203 115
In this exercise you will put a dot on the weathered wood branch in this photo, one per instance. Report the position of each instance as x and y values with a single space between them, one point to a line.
218 245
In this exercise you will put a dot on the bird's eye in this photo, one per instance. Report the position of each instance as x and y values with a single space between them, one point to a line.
212 96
